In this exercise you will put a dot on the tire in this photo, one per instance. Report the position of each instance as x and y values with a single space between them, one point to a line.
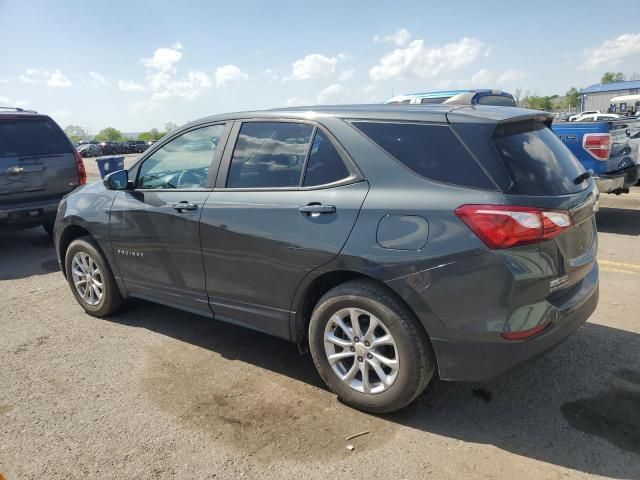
410 347
111 299
48 227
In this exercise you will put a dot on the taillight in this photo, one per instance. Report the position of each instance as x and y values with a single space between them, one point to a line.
82 173
505 226
598 145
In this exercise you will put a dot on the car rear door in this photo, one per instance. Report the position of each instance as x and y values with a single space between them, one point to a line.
286 199
155 229
37 160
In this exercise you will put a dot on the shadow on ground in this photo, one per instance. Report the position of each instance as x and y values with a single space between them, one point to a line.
569 408
25 253
622 221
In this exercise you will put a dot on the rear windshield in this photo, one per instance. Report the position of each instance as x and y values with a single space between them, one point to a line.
539 163
496 100
432 151
25 137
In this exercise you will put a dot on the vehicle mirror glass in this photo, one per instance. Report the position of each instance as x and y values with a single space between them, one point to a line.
117 180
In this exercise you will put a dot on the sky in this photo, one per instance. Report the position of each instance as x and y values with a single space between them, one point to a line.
135 65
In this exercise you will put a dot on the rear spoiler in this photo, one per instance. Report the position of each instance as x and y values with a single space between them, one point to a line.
497 115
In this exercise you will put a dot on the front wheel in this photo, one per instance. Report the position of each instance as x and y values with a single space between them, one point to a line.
369 348
90 278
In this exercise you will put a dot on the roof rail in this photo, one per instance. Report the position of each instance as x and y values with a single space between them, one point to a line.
18 109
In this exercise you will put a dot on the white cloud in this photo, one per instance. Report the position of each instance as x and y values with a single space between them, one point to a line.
482 76
314 66
130 86
164 58
6 79
333 94
612 51
61 115
26 79
8 102
57 80
296 102
98 79
346 75
418 60
489 49
5 101
510 76
270 74
399 37
164 86
229 74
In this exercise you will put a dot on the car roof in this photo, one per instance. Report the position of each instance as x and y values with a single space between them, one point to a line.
398 112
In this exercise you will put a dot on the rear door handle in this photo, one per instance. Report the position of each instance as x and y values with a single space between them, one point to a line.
181 206
315 209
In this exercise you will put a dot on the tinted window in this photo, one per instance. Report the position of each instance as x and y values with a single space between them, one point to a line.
184 162
434 101
324 165
496 100
432 151
269 154
32 137
539 163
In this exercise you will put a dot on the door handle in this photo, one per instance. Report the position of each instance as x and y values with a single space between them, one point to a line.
315 209
180 206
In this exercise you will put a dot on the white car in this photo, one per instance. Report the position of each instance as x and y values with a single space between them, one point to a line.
595 117
573 118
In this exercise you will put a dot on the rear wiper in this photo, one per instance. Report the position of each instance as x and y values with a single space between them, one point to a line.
583 176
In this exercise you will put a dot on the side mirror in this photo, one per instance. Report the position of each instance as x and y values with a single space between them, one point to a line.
117 180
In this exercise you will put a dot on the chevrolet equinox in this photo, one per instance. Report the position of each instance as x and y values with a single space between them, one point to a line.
396 243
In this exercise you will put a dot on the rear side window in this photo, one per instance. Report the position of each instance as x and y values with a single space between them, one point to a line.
24 137
324 165
432 151
269 155
539 163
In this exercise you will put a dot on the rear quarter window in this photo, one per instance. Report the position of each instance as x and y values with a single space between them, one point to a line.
37 136
431 151
538 162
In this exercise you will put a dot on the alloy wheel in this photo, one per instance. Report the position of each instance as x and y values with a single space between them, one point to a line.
361 350
87 278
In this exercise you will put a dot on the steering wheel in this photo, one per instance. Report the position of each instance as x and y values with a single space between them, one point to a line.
199 179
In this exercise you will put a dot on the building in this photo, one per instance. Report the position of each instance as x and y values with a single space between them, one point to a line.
598 96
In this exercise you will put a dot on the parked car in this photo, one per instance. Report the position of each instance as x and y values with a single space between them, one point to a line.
608 148
38 166
89 150
457 97
598 117
136 146
396 244
577 116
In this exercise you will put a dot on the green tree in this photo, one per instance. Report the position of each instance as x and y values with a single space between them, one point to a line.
611 77
540 103
110 134
572 97
170 126
152 135
75 133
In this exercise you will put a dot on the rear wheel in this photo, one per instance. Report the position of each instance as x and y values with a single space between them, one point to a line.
90 278
369 348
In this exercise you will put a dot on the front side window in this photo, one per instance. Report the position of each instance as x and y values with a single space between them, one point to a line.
184 162
324 165
269 155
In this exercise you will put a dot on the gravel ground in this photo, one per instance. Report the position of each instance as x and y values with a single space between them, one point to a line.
158 393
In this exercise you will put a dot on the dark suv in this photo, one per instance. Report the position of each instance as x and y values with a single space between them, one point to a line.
395 243
38 166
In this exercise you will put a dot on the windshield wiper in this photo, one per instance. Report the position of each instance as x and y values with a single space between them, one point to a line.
583 176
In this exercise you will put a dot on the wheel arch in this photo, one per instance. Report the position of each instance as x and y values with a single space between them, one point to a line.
310 294
68 235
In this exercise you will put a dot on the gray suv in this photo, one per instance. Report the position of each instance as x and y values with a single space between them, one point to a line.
38 166
396 244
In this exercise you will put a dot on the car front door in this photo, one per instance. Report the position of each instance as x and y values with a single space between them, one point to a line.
284 204
154 227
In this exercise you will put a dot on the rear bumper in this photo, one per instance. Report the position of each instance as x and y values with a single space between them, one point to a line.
476 361
610 183
15 216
